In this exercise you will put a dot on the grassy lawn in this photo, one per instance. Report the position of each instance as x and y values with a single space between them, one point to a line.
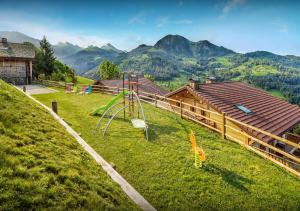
162 169
43 167
83 80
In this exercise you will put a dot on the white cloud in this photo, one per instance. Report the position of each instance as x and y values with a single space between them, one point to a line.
231 4
51 29
184 21
281 26
162 21
139 18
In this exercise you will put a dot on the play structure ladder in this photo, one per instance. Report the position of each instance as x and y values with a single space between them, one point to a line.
109 115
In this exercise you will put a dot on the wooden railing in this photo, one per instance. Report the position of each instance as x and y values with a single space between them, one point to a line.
220 123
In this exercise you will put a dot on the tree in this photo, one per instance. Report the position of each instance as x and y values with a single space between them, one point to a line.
108 70
44 58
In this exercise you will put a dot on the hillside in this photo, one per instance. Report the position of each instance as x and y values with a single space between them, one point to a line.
18 37
66 49
42 167
162 169
91 57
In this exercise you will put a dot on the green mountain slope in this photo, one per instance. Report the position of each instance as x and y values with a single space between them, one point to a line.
43 167
90 58
63 50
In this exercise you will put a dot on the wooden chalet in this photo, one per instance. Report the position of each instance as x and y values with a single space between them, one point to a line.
16 62
244 103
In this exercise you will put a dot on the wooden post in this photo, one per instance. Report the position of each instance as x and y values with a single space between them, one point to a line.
24 88
223 129
124 103
54 106
118 90
155 101
181 109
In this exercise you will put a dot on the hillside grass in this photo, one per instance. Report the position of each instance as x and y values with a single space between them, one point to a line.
162 169
43 167
83 80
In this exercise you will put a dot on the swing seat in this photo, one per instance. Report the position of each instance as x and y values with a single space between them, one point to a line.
139 123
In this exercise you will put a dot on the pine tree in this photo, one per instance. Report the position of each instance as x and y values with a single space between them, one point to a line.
45 58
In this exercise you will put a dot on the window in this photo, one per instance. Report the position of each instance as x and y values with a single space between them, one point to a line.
177 104
244 109
192 109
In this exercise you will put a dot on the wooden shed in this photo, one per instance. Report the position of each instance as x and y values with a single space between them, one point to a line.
16 62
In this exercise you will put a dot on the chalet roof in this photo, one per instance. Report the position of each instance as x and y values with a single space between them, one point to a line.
268 113
145 85
16 50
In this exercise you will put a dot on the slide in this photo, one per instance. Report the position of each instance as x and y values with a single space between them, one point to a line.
110 103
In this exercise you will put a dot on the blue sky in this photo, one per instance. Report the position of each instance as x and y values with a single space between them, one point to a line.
241 25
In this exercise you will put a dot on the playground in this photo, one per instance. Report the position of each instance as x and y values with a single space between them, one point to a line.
162 169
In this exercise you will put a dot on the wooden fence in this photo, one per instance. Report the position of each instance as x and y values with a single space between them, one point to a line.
220 123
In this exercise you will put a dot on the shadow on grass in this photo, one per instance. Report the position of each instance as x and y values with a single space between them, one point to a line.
229 177
155 130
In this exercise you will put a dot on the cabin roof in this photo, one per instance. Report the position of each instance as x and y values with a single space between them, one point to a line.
145 85
249 105
16 50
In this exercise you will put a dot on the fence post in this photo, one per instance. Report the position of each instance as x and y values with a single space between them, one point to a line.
118 90
54 106
155 101
181 109
223 129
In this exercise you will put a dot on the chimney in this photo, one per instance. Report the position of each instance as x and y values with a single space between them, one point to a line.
4 40
210 80
193 84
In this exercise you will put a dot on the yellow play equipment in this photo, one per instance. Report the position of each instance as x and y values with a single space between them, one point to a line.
198 151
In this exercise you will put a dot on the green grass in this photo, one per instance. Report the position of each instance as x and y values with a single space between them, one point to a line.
83 80
276 93
43 167
261 70
162 169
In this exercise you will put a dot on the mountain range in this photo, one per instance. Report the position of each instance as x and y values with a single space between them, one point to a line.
170 57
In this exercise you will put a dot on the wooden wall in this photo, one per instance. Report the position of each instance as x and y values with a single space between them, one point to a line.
215 120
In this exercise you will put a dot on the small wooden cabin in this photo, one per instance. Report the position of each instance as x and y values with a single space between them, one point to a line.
16 62
241 102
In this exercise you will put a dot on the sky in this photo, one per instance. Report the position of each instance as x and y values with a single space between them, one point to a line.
240 25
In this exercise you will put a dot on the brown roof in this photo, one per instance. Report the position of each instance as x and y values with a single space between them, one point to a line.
269 113
16 50
145 85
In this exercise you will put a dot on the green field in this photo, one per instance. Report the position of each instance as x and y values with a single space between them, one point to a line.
43 167
83 80
162 169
